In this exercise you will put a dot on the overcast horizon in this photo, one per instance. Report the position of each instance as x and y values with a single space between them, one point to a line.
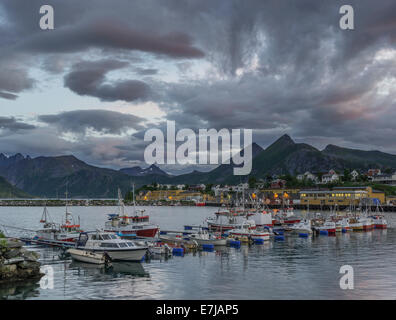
111 70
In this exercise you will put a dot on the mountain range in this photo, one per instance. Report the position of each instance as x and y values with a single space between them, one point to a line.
49 176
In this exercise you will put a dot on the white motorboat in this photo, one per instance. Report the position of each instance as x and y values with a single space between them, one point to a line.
89 256
204 237
328 226
117 248
246 233
225 223
160 249
303 226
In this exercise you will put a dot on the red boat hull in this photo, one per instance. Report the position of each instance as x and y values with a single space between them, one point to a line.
147 233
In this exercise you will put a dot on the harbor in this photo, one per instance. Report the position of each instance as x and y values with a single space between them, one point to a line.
193 247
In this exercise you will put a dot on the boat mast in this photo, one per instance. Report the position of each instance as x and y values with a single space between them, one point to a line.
66 207
120 204
133 197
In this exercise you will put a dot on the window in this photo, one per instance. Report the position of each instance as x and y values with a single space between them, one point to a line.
108 245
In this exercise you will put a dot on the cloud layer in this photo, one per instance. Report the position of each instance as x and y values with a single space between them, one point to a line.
276 67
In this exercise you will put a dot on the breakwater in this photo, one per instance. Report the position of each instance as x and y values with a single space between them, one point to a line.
114 202
17 263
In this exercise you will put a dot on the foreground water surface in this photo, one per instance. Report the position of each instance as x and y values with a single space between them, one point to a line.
297 268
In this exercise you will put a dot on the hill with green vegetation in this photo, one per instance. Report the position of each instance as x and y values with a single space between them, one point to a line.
8 191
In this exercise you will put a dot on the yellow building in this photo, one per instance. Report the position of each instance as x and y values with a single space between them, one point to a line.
371 194
331 198
292 193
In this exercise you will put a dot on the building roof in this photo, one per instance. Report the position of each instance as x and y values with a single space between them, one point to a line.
330 191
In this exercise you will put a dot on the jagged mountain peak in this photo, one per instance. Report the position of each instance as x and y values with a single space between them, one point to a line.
283 142
139 171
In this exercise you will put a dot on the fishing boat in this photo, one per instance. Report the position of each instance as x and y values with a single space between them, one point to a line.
285 216
367 223
137 224
345 224
379 222
303 226
67 231
160 249
245 232
225 223
177 239
89 256
355 224
117 248
262 218
204 237
328 226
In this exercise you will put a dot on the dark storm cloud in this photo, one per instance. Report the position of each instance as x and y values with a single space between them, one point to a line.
88 78
102 121
13 125
112 35
13 80
8 96
275 66
120 24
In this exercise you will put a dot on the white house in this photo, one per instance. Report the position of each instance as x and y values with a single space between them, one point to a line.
389 179
330 177
307 176
354 175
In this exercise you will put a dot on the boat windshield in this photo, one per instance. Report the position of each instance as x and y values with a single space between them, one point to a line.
109 245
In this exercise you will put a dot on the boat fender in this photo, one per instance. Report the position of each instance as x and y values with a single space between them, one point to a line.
303 235
235 243
279 238
178 251
258 241
344 230
324 232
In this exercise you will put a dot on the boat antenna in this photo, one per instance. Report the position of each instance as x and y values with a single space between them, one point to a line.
133 197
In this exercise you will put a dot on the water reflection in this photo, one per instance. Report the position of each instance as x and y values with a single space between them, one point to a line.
116 269
19 290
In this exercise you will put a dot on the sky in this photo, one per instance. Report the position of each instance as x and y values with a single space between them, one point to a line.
111 70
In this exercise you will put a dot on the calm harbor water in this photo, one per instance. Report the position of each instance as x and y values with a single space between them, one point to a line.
297 268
